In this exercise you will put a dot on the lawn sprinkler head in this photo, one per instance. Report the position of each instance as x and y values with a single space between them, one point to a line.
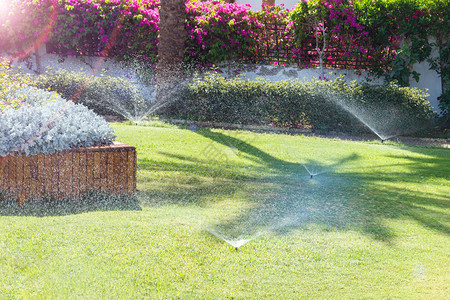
192 127
382 141
311 176
236 248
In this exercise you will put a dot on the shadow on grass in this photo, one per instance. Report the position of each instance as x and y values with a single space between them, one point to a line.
329 201
60 207
288 199
435 162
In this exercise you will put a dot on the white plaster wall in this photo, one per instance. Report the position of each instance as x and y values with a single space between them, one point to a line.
289 4
98 66
429 80
276 73
256 4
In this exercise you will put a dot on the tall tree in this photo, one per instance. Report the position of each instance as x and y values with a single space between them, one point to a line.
171 37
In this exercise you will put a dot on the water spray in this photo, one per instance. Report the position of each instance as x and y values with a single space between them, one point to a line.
234 242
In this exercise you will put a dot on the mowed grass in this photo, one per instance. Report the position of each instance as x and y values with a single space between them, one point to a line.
373 224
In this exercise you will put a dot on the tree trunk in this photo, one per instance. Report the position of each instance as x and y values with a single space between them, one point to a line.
171 37
267 2
169 66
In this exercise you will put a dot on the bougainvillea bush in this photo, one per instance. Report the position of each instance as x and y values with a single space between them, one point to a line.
331 26
410 27
114 28
276 40
380 35
384 35
218 31
26 24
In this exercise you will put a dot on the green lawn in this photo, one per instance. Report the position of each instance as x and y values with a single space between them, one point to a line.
373 224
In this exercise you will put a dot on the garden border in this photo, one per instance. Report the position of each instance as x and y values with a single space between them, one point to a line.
69 173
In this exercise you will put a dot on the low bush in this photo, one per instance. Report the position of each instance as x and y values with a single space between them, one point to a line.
96 92
10 82
46 123
323 105
444 106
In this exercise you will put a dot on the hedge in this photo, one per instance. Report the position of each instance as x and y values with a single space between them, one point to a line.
104 95
319 104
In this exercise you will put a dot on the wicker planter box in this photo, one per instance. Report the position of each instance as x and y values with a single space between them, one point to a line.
69 173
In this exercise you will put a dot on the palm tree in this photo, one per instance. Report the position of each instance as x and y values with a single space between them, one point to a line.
171 37
169 64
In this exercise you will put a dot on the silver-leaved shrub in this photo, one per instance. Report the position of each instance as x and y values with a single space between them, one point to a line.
46 123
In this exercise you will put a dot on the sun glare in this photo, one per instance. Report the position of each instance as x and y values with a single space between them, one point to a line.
4 7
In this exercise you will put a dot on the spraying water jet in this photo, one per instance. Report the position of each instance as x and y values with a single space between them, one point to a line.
147 96
234 242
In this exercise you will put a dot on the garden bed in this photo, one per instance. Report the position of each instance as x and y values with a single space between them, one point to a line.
69 173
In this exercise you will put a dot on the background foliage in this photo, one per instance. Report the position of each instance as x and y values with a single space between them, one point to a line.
297 104
10 82
384 36
95 92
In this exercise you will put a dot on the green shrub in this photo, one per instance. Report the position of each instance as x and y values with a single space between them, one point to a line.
324 105
444 106
261 102
320 104
231 100
97 93
11 81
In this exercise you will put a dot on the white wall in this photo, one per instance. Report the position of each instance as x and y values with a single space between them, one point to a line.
98 66
256 4
429 80
289 4
276 73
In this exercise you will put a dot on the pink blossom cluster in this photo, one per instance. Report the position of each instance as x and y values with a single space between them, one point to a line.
107 27
346 40
79 27
276 39
215 31
218 31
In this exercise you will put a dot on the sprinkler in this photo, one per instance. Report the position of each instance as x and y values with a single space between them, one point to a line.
382 141
311 176
236 248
